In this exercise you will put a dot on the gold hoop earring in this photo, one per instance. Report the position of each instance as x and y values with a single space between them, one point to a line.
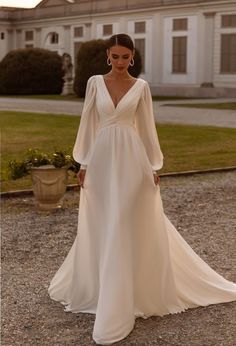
131 62
108 61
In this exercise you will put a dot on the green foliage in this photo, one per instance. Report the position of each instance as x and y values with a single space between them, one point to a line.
36 158
92 60
31 71
17 169
59 159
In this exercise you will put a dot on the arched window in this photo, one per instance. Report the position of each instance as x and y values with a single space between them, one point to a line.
53 38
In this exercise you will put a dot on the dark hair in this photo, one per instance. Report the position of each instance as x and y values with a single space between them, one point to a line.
121 40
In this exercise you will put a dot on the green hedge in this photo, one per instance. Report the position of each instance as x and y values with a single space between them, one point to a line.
92 60
31 71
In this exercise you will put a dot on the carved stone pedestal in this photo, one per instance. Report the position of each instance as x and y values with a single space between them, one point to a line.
68 88
49 186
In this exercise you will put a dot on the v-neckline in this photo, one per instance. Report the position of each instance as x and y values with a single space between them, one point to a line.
127 92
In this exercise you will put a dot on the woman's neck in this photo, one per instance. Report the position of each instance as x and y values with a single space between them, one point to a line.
120 76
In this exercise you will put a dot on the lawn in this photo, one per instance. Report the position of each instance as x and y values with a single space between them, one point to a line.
184 147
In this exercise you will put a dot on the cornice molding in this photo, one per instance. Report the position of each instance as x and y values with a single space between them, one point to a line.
68 11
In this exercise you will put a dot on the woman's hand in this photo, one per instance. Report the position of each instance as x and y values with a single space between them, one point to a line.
81 176
156 178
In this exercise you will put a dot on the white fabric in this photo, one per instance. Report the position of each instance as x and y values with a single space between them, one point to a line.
127 260
85 167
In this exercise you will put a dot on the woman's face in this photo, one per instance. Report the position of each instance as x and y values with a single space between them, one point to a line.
120 58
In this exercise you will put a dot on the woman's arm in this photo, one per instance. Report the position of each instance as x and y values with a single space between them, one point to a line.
88 125
87 130
146 128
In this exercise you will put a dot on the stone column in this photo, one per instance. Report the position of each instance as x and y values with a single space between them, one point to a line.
88 31
67 39
157 44
37 41
10 40
208 47
19 38
123 24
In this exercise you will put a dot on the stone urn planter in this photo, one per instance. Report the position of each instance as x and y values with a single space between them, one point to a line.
49 186
49 174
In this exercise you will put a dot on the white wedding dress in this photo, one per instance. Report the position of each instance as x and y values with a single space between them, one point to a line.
128 259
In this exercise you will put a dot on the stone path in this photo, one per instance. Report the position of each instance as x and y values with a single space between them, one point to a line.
163 114
195 116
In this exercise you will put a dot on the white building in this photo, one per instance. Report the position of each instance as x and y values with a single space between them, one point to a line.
188 46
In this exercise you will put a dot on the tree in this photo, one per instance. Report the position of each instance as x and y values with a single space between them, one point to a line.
31 71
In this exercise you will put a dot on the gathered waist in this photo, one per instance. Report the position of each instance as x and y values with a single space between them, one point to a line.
116 123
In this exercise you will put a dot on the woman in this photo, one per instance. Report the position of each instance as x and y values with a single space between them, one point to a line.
127 260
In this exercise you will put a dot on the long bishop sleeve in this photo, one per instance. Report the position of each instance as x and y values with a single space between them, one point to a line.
88 126
145 125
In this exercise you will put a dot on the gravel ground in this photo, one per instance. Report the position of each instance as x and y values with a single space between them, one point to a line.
34 244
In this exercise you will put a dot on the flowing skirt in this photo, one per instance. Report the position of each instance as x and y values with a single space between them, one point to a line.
128 260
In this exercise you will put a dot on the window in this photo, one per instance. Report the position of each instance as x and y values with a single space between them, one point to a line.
54 38
179 59
29 35
140 45
107 29
180 24
79 31
228 53
228 21
2 35
139 27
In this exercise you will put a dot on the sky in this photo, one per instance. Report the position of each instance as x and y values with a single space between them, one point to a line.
19 3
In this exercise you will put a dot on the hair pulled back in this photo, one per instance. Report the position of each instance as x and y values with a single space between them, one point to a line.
121 40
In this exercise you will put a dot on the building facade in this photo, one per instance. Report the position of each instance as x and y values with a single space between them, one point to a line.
188 47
